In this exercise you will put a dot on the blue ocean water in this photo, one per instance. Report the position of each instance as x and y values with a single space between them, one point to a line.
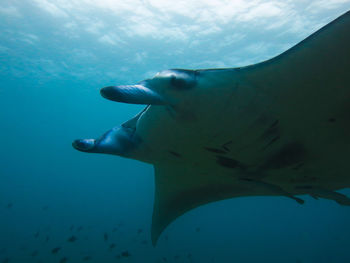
60 205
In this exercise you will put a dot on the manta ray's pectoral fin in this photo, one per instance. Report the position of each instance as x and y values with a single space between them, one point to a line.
182 187
179 189
134 94
313 74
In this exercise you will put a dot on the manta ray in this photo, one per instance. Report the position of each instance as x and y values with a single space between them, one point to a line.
280 127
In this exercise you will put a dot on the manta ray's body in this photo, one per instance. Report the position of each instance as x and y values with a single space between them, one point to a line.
280 127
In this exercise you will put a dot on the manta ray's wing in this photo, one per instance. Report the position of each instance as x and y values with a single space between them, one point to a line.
310 86
181 187
318 65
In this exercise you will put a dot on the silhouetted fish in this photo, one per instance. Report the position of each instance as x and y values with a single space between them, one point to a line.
72 239
55 250
9 205
86 258
23 248
64 260
34 253
5 260
139 231
125 254
112 246
36 235
105 236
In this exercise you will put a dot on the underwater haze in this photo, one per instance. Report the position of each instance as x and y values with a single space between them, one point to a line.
61 205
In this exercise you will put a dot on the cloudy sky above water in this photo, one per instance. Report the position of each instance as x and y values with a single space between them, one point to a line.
49 38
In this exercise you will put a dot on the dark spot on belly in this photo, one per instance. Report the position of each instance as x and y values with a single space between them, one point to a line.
215 150
175 154
298 166
303 187
271 131
228 162
331 119
272 141
225 145
303 180
274 124
246 179
290 154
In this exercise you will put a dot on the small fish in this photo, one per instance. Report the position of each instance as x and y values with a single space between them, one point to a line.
55 250
118 256
45 208
5 260
198 229
72 239
114 229
9 205
125 254
176 257
105 236
144 242
79 228
36 235
23 247
34 253
64 260
86 258
47 239
112 246
71 228
139 231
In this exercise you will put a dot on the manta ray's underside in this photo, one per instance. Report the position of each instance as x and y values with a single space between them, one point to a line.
276 128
